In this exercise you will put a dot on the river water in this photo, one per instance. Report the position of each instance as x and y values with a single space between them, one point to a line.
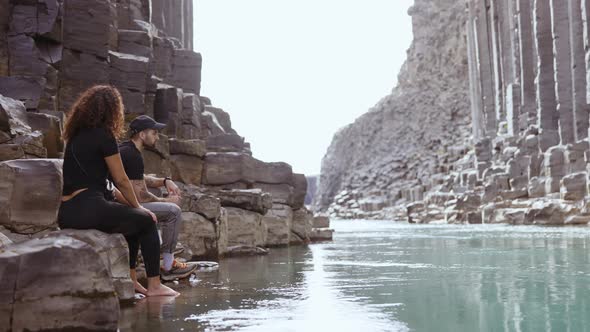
386 276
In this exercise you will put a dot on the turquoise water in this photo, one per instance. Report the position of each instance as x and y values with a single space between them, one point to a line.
385 276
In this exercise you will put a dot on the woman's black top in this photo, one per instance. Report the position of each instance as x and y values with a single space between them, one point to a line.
84 164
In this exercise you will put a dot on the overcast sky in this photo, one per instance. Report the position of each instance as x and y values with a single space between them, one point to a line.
292 72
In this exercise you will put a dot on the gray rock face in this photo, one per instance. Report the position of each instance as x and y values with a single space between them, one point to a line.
278 222
247 199
38 299
114 253
526 160
52 50
225 168
301 226
245 228
399 142
30 206
200 236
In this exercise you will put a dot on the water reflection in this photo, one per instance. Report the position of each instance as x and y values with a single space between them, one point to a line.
382 276
476 278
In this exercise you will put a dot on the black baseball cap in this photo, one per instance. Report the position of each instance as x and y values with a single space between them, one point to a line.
144 122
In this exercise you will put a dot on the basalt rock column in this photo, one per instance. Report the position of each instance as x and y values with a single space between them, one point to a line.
527 60
486 65
474 77
578 69
545 81
495 24
586 33
563 73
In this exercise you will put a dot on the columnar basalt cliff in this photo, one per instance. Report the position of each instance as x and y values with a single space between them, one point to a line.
389 155
233 203
526 161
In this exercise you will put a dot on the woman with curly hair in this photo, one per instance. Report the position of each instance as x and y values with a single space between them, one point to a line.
92 128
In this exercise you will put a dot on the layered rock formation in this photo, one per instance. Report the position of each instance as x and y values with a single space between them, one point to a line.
52 50
526 161
389 155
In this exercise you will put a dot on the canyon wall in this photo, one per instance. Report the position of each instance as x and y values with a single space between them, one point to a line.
525 162
391 154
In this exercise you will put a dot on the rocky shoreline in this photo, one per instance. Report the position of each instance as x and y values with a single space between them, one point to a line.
233 204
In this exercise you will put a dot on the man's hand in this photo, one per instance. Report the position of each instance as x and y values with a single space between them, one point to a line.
173 199
172 188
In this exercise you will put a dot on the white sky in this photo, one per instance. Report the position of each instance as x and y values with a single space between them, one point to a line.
292 72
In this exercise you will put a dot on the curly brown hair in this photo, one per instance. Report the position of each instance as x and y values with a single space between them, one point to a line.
99 106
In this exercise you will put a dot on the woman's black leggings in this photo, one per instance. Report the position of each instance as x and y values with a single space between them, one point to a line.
90 210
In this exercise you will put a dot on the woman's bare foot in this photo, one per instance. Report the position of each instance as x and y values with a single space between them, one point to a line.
161 290
139 288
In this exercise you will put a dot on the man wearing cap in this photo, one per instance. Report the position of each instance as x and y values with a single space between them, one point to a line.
144 132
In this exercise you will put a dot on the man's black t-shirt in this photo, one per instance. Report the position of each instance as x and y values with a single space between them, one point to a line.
84 165
132 160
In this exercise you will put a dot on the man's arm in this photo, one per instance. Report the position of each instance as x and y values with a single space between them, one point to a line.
153 182
142 192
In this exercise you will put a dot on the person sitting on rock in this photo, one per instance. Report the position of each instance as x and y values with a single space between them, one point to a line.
92 127
144 132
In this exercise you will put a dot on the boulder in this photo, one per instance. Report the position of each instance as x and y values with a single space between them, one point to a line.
191 147
186 70
321 222
299 183
128 71
32 144
278 225
474 217
301 226
191 110
186 169
225 143
246 199
155 164
114 253
238 251
536 187
11 151
135 42
30 206
222 231
163 50
25 58
79 71
280 193
550 212
55 284
199 236
50 127
245 228
321 234
206 205
573 186
211 126
37 18
90 31
26 89
220 117
224 168
168 107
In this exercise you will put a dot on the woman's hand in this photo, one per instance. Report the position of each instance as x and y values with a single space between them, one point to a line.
150 213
